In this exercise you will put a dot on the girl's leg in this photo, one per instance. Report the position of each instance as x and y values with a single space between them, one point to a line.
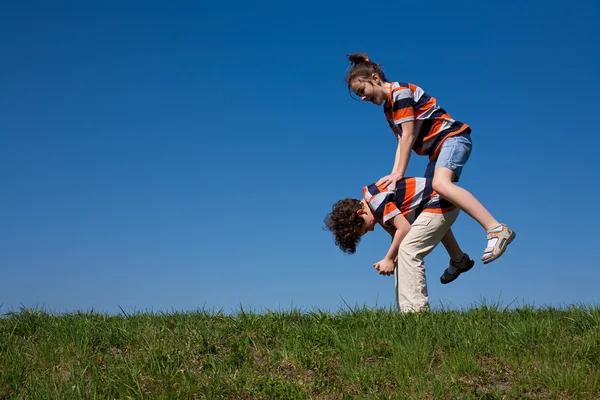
449 241
454 154
442 183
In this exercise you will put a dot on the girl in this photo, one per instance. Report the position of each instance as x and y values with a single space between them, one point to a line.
423 126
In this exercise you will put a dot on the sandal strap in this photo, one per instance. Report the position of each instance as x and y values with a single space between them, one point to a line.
456 264
450 274
498 234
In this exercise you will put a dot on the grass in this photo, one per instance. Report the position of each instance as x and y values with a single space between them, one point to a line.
481 353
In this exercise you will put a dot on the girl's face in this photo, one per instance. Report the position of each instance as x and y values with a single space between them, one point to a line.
369 89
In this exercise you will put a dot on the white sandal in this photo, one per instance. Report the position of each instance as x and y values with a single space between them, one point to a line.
504 236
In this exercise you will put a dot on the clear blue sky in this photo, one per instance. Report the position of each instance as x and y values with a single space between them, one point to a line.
180 155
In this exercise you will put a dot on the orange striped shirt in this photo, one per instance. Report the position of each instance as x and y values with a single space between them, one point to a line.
408 102
411 197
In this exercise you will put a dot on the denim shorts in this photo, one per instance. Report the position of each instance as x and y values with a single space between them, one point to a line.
454 154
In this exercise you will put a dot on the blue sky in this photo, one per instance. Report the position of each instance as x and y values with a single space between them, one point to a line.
179 156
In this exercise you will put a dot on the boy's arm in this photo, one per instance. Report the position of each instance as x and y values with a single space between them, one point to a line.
388 229
391 231
401 225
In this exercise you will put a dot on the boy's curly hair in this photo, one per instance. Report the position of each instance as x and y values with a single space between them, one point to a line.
344 223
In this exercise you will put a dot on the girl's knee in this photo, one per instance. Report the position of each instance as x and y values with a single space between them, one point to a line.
441 186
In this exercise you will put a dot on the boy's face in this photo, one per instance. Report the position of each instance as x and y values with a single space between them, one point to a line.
369 89
368 217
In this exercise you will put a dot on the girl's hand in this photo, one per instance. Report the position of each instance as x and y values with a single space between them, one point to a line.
385 267
390 179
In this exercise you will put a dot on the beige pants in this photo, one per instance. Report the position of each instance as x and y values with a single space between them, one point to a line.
411 285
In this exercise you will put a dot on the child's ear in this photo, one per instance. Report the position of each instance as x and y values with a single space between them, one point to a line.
360 211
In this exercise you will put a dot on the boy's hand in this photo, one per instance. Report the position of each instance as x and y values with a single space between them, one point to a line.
390 179
385 267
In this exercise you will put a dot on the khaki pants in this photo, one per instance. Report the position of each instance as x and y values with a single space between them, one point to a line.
411 285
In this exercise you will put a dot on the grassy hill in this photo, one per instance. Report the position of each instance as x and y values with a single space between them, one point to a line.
481 353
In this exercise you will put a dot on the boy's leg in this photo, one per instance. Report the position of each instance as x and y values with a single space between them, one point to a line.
452 247
449 241
459 260
424 235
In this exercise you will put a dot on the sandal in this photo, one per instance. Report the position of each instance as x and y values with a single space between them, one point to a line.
504 236
465 264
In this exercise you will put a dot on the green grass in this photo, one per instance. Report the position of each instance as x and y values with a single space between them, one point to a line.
482 353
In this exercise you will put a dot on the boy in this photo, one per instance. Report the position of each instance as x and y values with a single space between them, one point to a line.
412 202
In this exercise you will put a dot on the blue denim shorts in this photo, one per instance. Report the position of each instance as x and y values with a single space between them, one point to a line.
454 155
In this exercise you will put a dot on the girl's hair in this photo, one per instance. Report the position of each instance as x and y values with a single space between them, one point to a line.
344 223
361 66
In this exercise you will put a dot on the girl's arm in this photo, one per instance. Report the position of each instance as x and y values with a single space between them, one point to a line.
405 144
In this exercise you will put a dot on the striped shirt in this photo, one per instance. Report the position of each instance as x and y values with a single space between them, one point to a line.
411 197
433 125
